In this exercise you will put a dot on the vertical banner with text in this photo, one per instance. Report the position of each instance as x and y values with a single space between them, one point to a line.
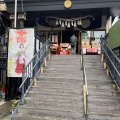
20 50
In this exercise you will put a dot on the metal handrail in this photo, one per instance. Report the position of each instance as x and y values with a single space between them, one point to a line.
112 62
85 87
32 67
31 70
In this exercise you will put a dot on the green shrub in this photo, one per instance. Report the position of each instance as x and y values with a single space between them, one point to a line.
114 36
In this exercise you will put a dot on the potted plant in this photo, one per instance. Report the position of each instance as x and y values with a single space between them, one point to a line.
3 90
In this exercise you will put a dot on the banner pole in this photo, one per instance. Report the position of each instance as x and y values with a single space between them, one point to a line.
15 17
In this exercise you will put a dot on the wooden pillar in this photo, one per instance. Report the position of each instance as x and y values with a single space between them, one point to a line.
46 35
50 36
79 42
57 37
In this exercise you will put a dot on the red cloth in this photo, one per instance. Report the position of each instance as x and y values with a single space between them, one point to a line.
19 66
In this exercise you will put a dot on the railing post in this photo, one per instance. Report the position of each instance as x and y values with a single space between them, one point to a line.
23 87
102 57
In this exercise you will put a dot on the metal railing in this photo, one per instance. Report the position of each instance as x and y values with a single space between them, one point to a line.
85 88
112 62
31 70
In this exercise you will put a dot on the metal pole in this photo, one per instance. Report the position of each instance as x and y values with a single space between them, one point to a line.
15 18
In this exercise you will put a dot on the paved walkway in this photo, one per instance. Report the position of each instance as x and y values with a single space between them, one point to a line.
5 107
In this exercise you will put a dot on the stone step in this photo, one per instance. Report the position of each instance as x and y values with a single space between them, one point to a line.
60 99
93 67
96 73
57 84
62 74
64 62
92 61
59 80
74 69
105 112
92 56
43 78
22 116
47 112
98 77
94 81
44 97
94 107
65 71
90 116
43 117
55 90
69 86
36 94
89 69
102 115
105 100
100 87
75 106
75 77
78 66
64 56
117 97
102 93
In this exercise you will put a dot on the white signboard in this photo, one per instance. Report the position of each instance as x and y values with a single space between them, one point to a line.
20 50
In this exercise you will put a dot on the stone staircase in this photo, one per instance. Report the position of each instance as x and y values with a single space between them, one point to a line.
103 102
58 94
